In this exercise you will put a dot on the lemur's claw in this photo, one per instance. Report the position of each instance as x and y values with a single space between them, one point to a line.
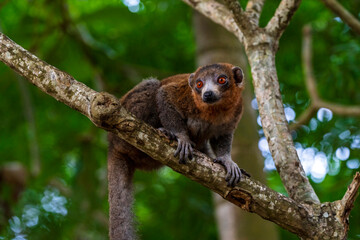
233 172
184 150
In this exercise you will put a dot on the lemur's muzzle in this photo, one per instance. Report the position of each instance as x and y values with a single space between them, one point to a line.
209 97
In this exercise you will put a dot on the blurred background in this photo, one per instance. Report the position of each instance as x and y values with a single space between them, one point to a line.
53 177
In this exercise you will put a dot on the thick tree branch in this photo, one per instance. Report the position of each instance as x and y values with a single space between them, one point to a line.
218 13
344 14
105 111
282 17
316 101
267 91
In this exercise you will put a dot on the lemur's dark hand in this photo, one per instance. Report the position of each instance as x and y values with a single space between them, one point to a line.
233 172
184 149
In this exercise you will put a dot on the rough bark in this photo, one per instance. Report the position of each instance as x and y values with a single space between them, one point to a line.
262 62
215 44
281 19
254 9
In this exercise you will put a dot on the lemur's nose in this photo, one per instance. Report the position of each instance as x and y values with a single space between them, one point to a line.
209 97
208 94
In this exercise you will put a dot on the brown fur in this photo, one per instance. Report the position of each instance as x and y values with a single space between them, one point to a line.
175 106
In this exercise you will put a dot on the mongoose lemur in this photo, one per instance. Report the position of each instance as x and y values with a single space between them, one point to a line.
201 110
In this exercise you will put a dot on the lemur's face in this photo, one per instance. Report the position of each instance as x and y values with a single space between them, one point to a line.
213 81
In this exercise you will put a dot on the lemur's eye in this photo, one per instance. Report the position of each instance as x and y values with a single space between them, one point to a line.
222 80
199 84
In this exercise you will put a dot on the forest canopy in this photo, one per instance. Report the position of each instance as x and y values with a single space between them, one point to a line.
56 158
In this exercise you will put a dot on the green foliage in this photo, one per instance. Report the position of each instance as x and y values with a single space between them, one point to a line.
104 43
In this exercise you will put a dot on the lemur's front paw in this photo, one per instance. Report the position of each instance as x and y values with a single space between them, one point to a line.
233 172
168 133
184 149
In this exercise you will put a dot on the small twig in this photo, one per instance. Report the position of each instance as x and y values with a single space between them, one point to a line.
304 118
339 109
344 14
282 17
316 101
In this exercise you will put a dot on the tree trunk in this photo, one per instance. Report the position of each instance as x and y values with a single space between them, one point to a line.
215 44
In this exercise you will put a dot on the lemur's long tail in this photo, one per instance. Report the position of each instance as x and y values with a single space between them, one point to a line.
120 174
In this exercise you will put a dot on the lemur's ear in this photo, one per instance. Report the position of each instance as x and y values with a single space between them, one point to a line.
191 80
238 75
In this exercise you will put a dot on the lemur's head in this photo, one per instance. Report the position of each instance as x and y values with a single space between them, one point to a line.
216 82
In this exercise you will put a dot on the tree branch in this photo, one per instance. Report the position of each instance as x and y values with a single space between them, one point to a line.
304 118
218 13
49 79
275 126
310 81
254 9
105 111
350 196
282 17
241 18
344 14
